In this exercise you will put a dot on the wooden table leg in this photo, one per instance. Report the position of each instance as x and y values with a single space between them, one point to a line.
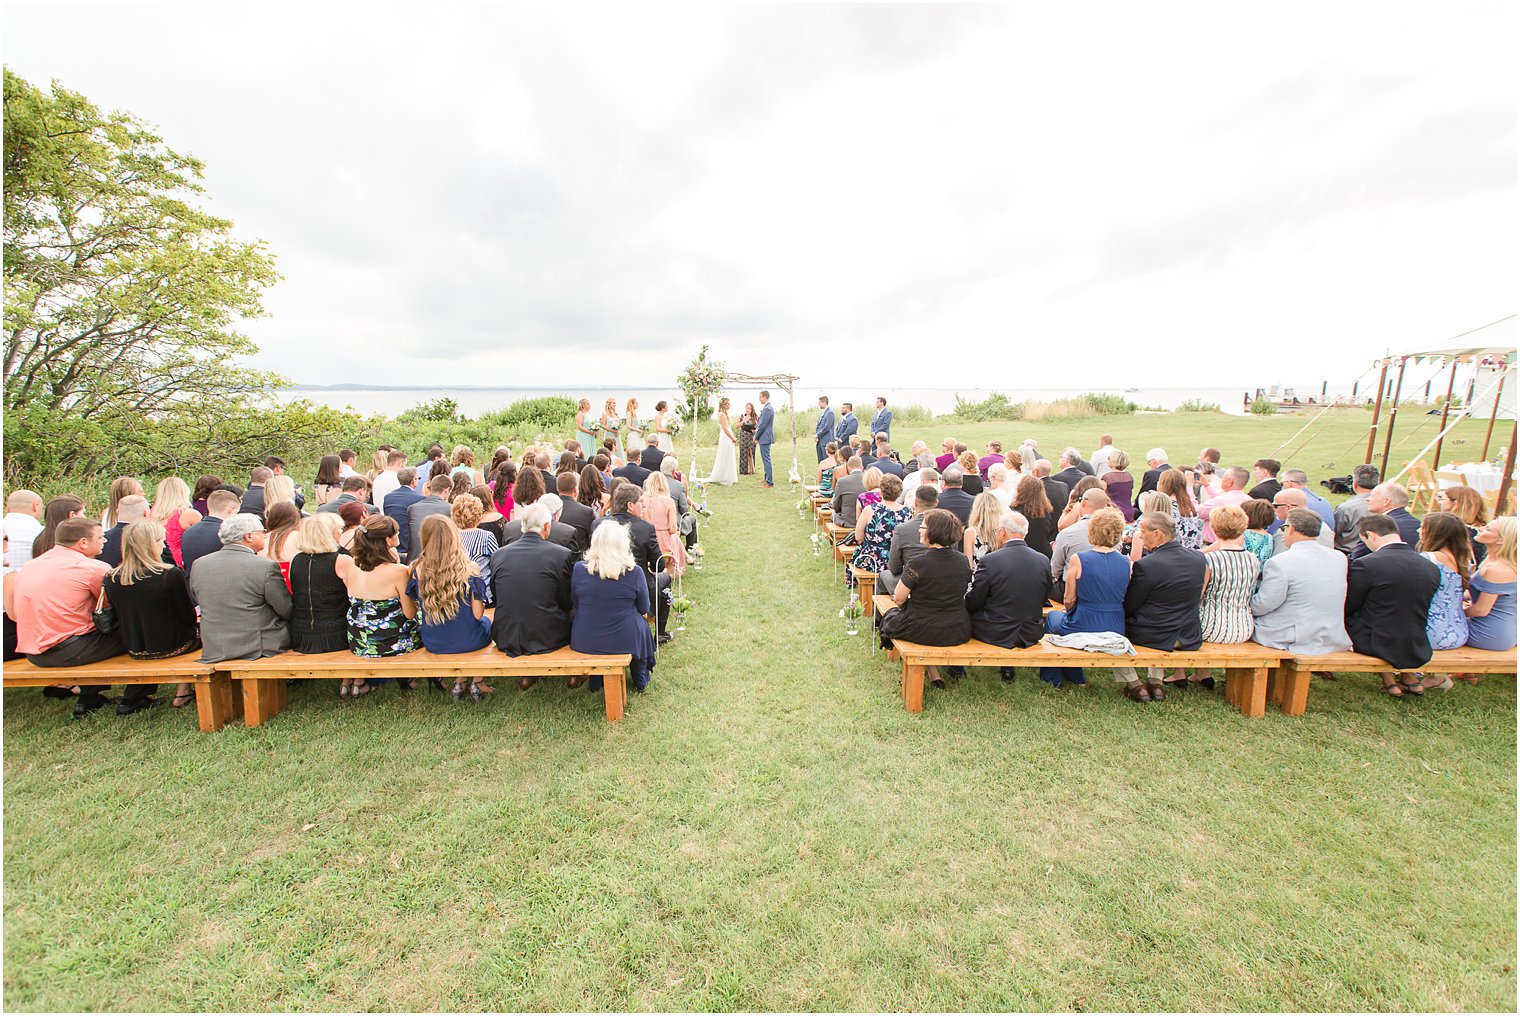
614 693
212 704
913 688
1296 682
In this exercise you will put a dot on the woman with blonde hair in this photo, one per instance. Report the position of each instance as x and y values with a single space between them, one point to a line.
972 482
1491 614
122 486
612 424
1468 505
279 490
1119 484
377 464
154 613
584 431
633 430
463 461
318 597
981 536
660 512
171 509
998 484
451 597
478 544
1150 501
871 480
611 598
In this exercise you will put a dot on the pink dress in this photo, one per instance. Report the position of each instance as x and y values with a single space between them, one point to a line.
660 510
173 534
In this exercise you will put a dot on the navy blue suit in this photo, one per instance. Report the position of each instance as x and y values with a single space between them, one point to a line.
824 432
765 436
846 429
396 504
881 423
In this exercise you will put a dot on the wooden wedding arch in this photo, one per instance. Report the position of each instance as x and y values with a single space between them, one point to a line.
785 382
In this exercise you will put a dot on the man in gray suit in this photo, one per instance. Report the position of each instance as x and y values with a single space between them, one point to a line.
1352 510
848 486
434 503
905 542
243 600
1300 606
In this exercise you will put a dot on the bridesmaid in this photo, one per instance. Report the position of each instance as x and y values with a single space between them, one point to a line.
583 429
611 422
661 429
633 436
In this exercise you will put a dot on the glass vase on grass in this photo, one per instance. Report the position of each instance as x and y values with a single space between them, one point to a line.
852 612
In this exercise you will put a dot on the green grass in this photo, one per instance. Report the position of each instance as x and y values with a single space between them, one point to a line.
769 829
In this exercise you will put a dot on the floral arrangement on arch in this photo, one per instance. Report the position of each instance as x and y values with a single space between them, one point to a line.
701 379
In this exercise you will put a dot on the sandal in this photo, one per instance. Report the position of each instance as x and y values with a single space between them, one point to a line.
362 688
1393 689
1444 685
1415 687
479 691
187 698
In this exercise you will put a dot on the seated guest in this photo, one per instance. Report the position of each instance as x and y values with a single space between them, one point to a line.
579 517
382 618
660 512
1073 508
389 479
491 521
1092 591
355 488
527 490
1491 615
23 524
396 504
122 486
1155 465
1070 473
1000 484
1288 500
243 600
985 463
1468 505
1073 539
981 536
352 516
1264 473
433 502
328 483
1444 543
904 544
610 599
1173 483
1388 594
592 492
971 478
952 498
202 539
478 544
1259 517
931 597
451 598
826 466
154 613
347 459
922 474
947 454
64 506
131 508
1297 479
503 479
1118 483
1031 501
1232 492
886 459
849 484
1102 461
870 477
279 489
1230 576
280 521
687 519
560 534
633 471
531 579
627 511
1009 591
652 453
253 497
53 600
874 527
1058 493
171 509
1161 604
1299 606
319 600
202 490
1364 479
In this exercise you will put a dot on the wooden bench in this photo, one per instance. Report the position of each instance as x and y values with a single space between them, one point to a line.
213 691
1245 665
1288 684
865 590
264 680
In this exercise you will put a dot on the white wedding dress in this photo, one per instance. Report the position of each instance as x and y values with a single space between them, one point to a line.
726 466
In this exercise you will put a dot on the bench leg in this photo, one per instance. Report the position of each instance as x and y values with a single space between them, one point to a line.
259 703
913 688
1275 685
1251 694
1295 681
213 703
614 693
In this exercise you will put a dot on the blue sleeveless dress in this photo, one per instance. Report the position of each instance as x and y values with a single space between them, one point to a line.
1100 607
1496 630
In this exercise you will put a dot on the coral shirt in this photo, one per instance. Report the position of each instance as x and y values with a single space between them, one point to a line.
54 596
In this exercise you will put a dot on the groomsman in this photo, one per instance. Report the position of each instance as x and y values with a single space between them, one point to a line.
765 436
824 432
847 426
881 423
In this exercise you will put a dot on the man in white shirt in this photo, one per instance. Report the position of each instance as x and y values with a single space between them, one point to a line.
387 481
924 474
346 459
1100 457
23 524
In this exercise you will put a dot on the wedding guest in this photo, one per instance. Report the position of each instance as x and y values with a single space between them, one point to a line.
1074 539
826 465
1032 502
627 511
122 486
923 474
849 484
202 538
132 508
1150 501
1161 603
1073 510
905 544
1300 604
1070 472
875 526
634 471
462 460
1102 461
1264 473
503 453
155 616
1092 592
560 534
1297 479
352 516
1056 492
931 598
981 535
451 599
382 618
328 484
388 479
1232 492
610 599
1230 575
947 454
1286 501
1259 515
64 506
398 503
434 464
243 600
1009 591
1491 615
952 497
530 578
1364 479
971 478
1117 481
202 490
355 489
747 424
478 544
1444 542
23 524
347 459
528 489
171 509
871 480
253 497
1173 483
985 463
660 511
280 522
592 491
503 480
319 599
1000 487
1155 465
1468 505
885 458
490 521
687 518
1388 594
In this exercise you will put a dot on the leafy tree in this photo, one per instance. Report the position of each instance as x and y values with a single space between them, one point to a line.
121 296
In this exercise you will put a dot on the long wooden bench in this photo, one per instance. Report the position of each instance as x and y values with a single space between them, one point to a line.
1288 684
213 691
1245 665
264 680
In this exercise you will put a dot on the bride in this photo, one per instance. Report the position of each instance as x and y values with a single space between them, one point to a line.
726 465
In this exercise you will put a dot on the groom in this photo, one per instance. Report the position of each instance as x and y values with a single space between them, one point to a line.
765 435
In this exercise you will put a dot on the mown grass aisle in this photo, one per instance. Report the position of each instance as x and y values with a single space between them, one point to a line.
767 829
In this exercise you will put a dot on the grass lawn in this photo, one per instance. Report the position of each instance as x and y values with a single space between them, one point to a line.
769 829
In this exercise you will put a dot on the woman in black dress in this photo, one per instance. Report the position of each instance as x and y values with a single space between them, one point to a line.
1031 502
154 613
747 424
932 593
319 613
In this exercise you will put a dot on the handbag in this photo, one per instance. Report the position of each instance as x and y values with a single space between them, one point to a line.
104 615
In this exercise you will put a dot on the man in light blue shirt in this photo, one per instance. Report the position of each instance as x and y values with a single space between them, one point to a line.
1297 479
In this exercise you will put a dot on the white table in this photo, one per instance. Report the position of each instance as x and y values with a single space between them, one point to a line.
1482 477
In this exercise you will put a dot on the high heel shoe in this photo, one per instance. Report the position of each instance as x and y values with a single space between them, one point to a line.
457 692
477 692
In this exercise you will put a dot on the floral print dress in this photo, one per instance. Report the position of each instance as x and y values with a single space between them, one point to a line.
379 628
872 555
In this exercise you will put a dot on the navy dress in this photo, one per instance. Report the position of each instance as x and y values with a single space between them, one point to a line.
1100 607
462 633
609 618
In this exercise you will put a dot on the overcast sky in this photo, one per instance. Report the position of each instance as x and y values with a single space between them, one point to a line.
1033 195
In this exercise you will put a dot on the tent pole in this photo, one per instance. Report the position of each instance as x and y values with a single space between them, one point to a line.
1509 471
1445 408
1393 416
1377 410
1492 416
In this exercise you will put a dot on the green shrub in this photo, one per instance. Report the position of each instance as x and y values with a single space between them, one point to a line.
911 413
1109 405
995 406
1198 406
1263 406
444 410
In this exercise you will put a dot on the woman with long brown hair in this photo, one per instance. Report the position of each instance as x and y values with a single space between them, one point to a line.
1468 505
1444 542
1031 501
1073 510
451 598
503 479
329 484
122 486
528 489
64 506
592 492
382 618
1173 483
